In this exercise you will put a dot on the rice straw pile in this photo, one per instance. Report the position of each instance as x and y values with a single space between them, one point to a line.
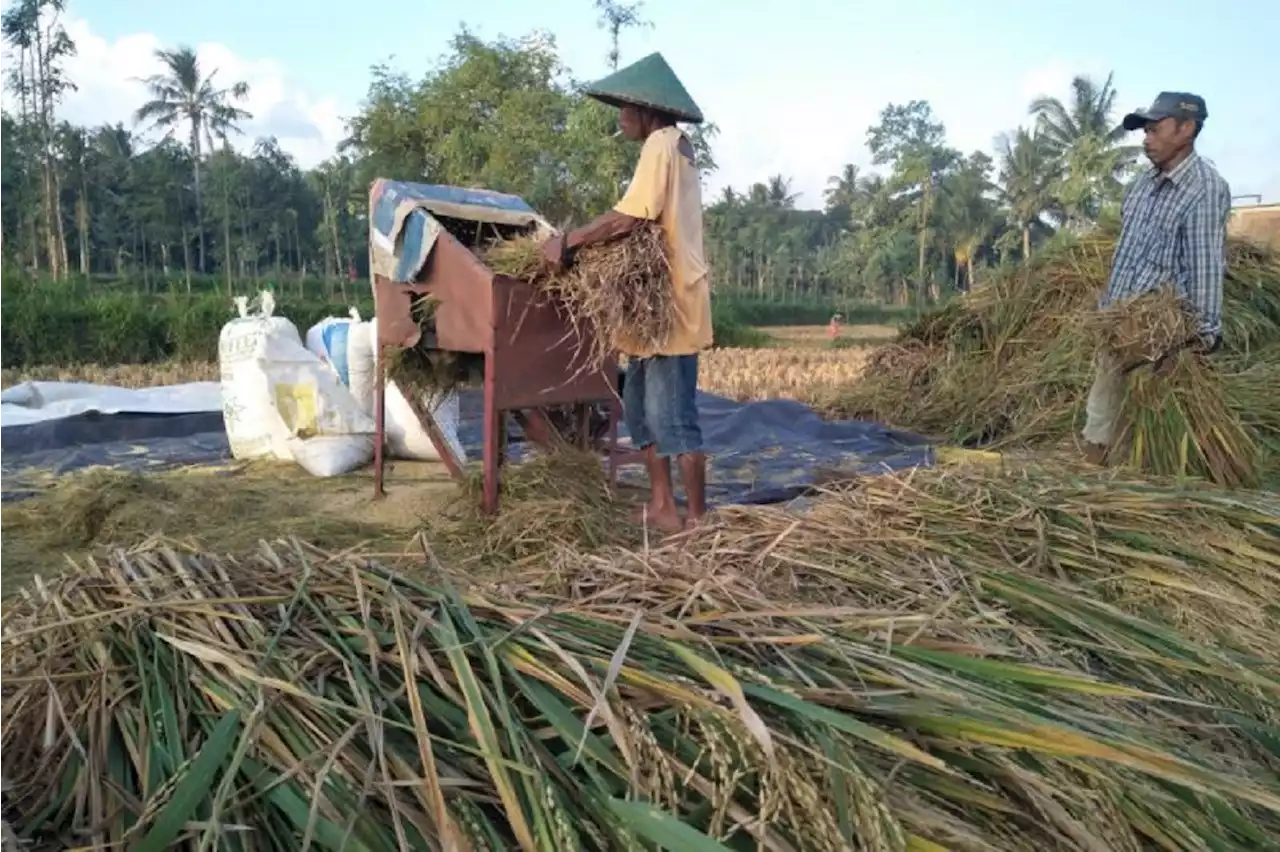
616 295
555 499
946 660
1011 363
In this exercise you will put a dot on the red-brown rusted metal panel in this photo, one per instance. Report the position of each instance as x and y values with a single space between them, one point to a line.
538 353
531 353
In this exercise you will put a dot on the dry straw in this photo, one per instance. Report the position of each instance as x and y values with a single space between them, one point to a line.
1011 363
616 295
944 660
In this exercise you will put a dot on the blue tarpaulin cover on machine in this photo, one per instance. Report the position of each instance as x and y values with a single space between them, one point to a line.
403 228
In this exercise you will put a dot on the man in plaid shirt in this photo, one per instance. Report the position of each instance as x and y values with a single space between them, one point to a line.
1174 231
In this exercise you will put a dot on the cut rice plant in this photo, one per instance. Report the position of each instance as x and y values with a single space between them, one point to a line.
617 295
1179 422
518 257
1145 328
428 373
942 660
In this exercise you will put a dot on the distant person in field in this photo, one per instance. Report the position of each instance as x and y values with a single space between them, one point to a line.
660 387
1173 232
833 327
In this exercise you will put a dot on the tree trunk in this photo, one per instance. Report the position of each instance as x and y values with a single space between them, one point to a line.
186 256
195 170
1026 242
82 228
226 221
969 270
36 60
57 216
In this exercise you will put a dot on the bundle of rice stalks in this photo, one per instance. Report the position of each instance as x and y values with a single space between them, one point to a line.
1180 423
616 295
949 698
1143 329
425 372
1015 357
518 257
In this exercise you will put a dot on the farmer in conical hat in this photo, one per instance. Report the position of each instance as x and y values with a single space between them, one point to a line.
660 388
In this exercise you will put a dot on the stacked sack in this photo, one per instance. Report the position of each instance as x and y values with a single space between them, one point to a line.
279 400
349 347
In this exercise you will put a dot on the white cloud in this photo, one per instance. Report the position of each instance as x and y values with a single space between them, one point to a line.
108 75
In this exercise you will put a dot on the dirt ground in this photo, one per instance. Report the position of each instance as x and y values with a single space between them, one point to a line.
226 509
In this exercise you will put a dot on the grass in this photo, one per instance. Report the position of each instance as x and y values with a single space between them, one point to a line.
947 659
80 321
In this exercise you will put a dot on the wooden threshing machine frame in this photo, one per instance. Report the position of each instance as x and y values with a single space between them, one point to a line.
528 347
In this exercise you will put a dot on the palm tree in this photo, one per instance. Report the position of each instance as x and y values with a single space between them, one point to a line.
779 193
1083 135
967 214
183 94
842 189
1089 113
1028 178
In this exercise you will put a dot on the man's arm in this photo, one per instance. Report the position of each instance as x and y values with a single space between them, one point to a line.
1206 234
644 201
602 229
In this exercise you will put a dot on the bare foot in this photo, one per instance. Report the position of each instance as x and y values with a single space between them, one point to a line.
1096 454
696 521
666 520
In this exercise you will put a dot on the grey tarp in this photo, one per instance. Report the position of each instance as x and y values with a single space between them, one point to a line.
761 452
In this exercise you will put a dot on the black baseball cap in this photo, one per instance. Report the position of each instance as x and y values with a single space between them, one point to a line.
1180 105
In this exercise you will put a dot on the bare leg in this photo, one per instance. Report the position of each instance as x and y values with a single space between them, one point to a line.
693 473
660 511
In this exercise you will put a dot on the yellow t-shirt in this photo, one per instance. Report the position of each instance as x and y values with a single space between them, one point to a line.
666 189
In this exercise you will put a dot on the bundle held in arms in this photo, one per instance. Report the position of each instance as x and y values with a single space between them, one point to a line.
1176 419
620 292
1011 363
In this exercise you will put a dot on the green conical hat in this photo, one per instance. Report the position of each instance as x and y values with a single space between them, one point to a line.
647 83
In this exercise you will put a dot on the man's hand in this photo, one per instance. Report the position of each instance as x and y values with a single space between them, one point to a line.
553 252
1197 346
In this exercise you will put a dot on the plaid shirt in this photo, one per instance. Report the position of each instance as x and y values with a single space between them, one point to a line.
1175 230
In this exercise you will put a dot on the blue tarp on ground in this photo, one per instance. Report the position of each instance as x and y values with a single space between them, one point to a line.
761 452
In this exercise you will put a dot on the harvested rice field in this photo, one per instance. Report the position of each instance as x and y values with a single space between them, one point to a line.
800 372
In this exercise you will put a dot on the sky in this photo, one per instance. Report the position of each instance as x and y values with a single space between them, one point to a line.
793 86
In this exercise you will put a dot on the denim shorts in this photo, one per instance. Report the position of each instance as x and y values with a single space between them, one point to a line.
659 403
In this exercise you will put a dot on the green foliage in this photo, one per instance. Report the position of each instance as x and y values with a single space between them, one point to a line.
79 321
60 323
506 114
731 331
